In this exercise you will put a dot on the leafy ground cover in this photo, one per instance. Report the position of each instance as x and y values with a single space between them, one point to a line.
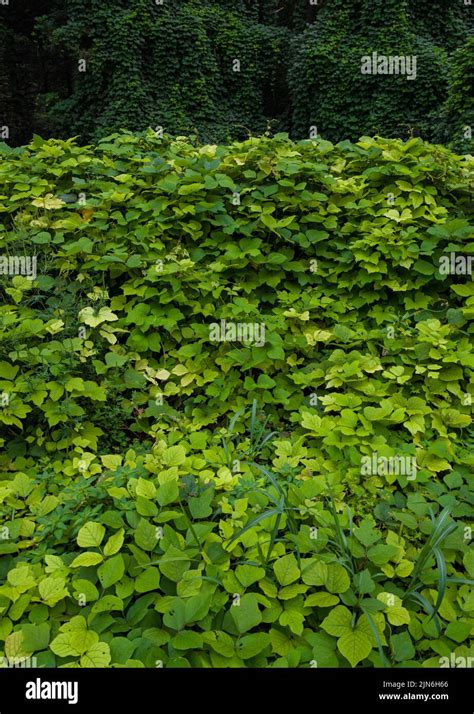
172 494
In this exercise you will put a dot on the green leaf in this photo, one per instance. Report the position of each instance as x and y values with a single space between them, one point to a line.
314 572
338 622
286 569
89 317
174 564
187 640
248 574
114 543
459 631
85 560
98 656
220 642
175 617
398 616
146 535
8 371
35 637
251 645
74 643
366 533
381 554
402 647
148 580
294 619
337 579
52 590
174 456
355 646
197 607
246 614
167 493
201 507
14 647
145 488
107 603
111 571
321 600
90 535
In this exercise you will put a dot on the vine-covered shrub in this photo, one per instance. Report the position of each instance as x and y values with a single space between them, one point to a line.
166 306
457 116
329 91
90 67
186 67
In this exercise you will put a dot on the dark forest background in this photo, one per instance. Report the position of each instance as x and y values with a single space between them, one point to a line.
172 65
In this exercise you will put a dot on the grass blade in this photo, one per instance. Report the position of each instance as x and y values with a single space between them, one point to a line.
253 522
376 634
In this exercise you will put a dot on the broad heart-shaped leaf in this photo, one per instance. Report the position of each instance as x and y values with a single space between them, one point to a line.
220 642
148 580
201 507
111 461
458 631
337 579
381 554
249 574
286 569
85 560
252 645
121 649
321 600
167 493
8 371
175 618
404 568
396 613
89 317
398 616
338 622
111 571
35 637
145 488
402 647
78 623
314 572
85 588
96 656
174 456
197 607
293 619
15 648
74 642
146 535
107 603
21 577
187 640
355 646
90 535
52 590
245 613
114 543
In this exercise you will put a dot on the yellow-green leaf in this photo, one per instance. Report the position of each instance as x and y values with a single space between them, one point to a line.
90 535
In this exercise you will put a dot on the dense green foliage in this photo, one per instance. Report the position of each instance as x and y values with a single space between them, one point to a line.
167 499
173 65
458 111
328 89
